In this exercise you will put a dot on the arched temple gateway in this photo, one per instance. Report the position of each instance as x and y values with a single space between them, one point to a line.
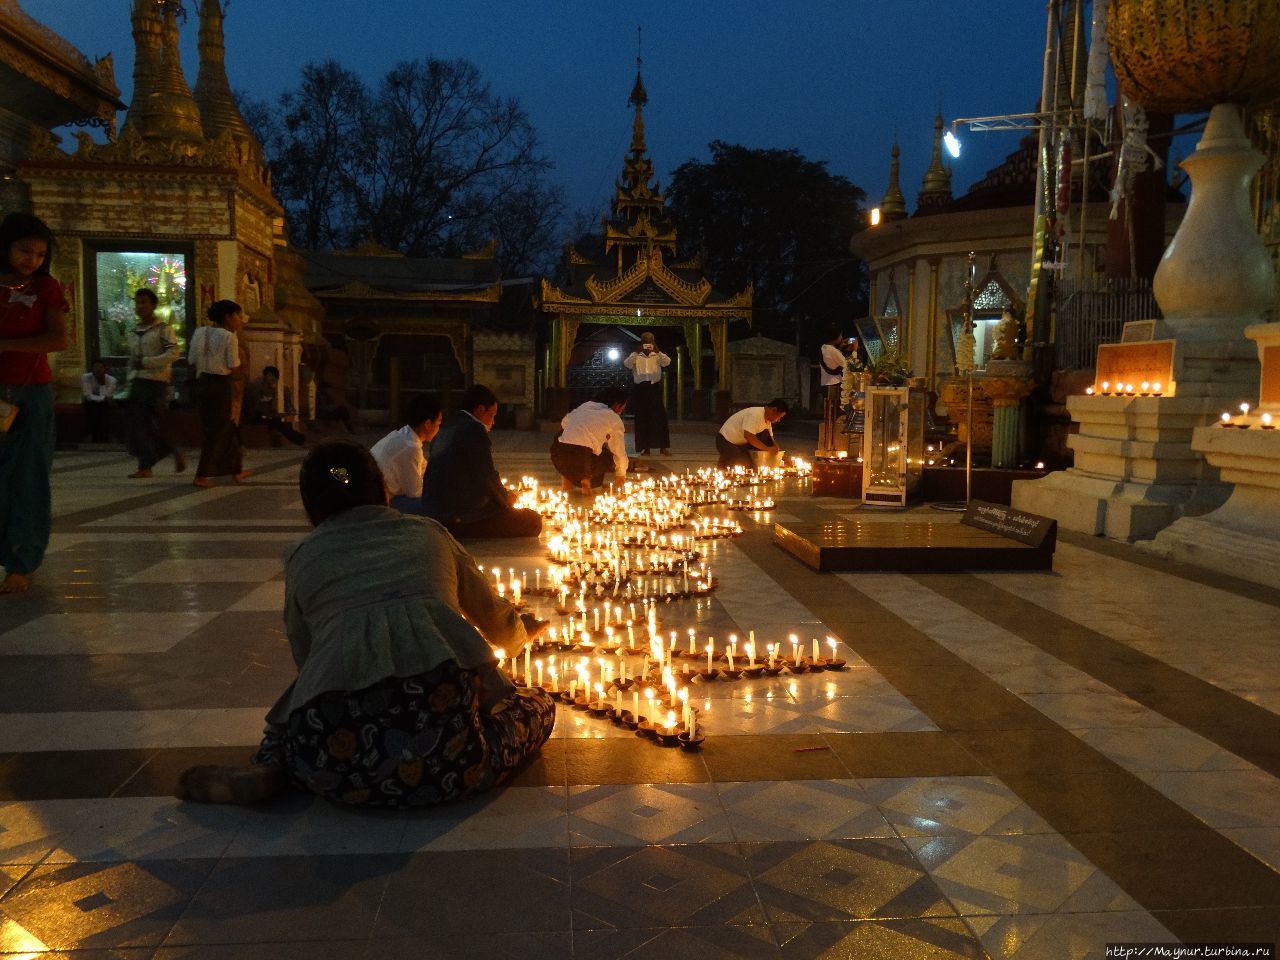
637 281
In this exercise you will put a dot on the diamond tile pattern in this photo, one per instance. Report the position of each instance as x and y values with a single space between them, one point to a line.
971 785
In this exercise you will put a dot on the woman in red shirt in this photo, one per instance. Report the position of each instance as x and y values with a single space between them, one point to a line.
32 325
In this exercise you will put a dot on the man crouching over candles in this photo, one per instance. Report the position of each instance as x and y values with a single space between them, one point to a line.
398 700
591 441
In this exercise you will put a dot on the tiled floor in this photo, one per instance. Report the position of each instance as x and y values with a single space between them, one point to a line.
1013 765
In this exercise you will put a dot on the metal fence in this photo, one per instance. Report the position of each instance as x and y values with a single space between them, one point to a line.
1094 312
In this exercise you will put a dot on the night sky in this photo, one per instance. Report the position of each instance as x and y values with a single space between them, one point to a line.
835 80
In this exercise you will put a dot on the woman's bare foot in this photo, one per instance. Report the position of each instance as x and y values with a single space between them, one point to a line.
586 487
533 627
210 783
16 583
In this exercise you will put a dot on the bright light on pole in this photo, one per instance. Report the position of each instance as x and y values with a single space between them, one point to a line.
952 142
875 216
613 354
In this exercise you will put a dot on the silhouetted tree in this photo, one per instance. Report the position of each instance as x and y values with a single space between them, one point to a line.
779 221
430 163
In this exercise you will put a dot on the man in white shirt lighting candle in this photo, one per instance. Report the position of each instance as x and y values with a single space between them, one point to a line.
592 442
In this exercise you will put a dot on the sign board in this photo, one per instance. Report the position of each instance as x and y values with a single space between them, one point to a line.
1151 361
1138 331
1269 389
1027 528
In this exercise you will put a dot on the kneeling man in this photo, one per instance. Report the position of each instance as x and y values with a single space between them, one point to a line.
400 457
591 442
751 428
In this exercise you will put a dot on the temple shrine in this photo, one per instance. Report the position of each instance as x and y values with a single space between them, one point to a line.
637 280
180 201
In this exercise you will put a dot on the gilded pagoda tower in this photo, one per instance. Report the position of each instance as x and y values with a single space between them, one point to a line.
638 280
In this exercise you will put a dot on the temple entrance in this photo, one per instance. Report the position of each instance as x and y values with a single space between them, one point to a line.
596 362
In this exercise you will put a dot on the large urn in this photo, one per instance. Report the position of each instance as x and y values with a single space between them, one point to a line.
1181 56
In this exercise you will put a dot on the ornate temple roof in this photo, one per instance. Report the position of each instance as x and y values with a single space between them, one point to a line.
633 264
46 80
369 271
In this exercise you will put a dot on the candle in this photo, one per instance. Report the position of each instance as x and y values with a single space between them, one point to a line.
772 658
815 649
515 591
795 644
751 652
595 611
692 640
497 577
537 579
527 672
538 664
631 637
573 689
635 705
501 655
618 708
622 670
711 646
832 644
692 727
600 696
729 654
555 680
671 722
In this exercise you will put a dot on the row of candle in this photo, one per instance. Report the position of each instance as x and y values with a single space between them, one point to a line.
1264 421
1144 389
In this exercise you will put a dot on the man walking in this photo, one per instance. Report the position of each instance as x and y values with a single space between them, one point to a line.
153 348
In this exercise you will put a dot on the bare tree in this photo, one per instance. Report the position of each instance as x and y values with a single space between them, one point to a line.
431 163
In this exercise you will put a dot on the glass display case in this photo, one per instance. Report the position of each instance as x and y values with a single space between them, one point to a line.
892 446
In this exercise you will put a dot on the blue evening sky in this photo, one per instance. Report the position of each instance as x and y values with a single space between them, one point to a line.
835 80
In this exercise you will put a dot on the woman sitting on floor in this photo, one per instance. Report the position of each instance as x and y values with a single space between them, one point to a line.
398 700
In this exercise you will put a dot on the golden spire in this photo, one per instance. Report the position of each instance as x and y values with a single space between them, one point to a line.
147 30
167 111
218 109
935 189
894 205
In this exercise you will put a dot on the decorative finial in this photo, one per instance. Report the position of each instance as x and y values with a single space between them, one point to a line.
935 189
894 204
218 109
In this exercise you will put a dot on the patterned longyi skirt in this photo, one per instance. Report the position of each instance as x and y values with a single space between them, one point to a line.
408 741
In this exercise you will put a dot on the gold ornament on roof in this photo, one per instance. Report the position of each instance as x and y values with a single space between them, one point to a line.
1182 56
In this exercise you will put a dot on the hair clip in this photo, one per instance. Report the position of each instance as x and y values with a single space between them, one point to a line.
340 474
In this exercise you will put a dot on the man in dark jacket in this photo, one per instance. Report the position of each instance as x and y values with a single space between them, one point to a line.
462 488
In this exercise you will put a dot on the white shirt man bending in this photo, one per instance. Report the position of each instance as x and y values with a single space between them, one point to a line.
591 442
751 428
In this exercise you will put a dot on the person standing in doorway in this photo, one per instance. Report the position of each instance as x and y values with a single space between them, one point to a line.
153 349
97 388
645 364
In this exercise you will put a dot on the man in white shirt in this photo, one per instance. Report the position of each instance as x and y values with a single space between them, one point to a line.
98 388
153 350
832 360
646 365
399 454
591 442
751 428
